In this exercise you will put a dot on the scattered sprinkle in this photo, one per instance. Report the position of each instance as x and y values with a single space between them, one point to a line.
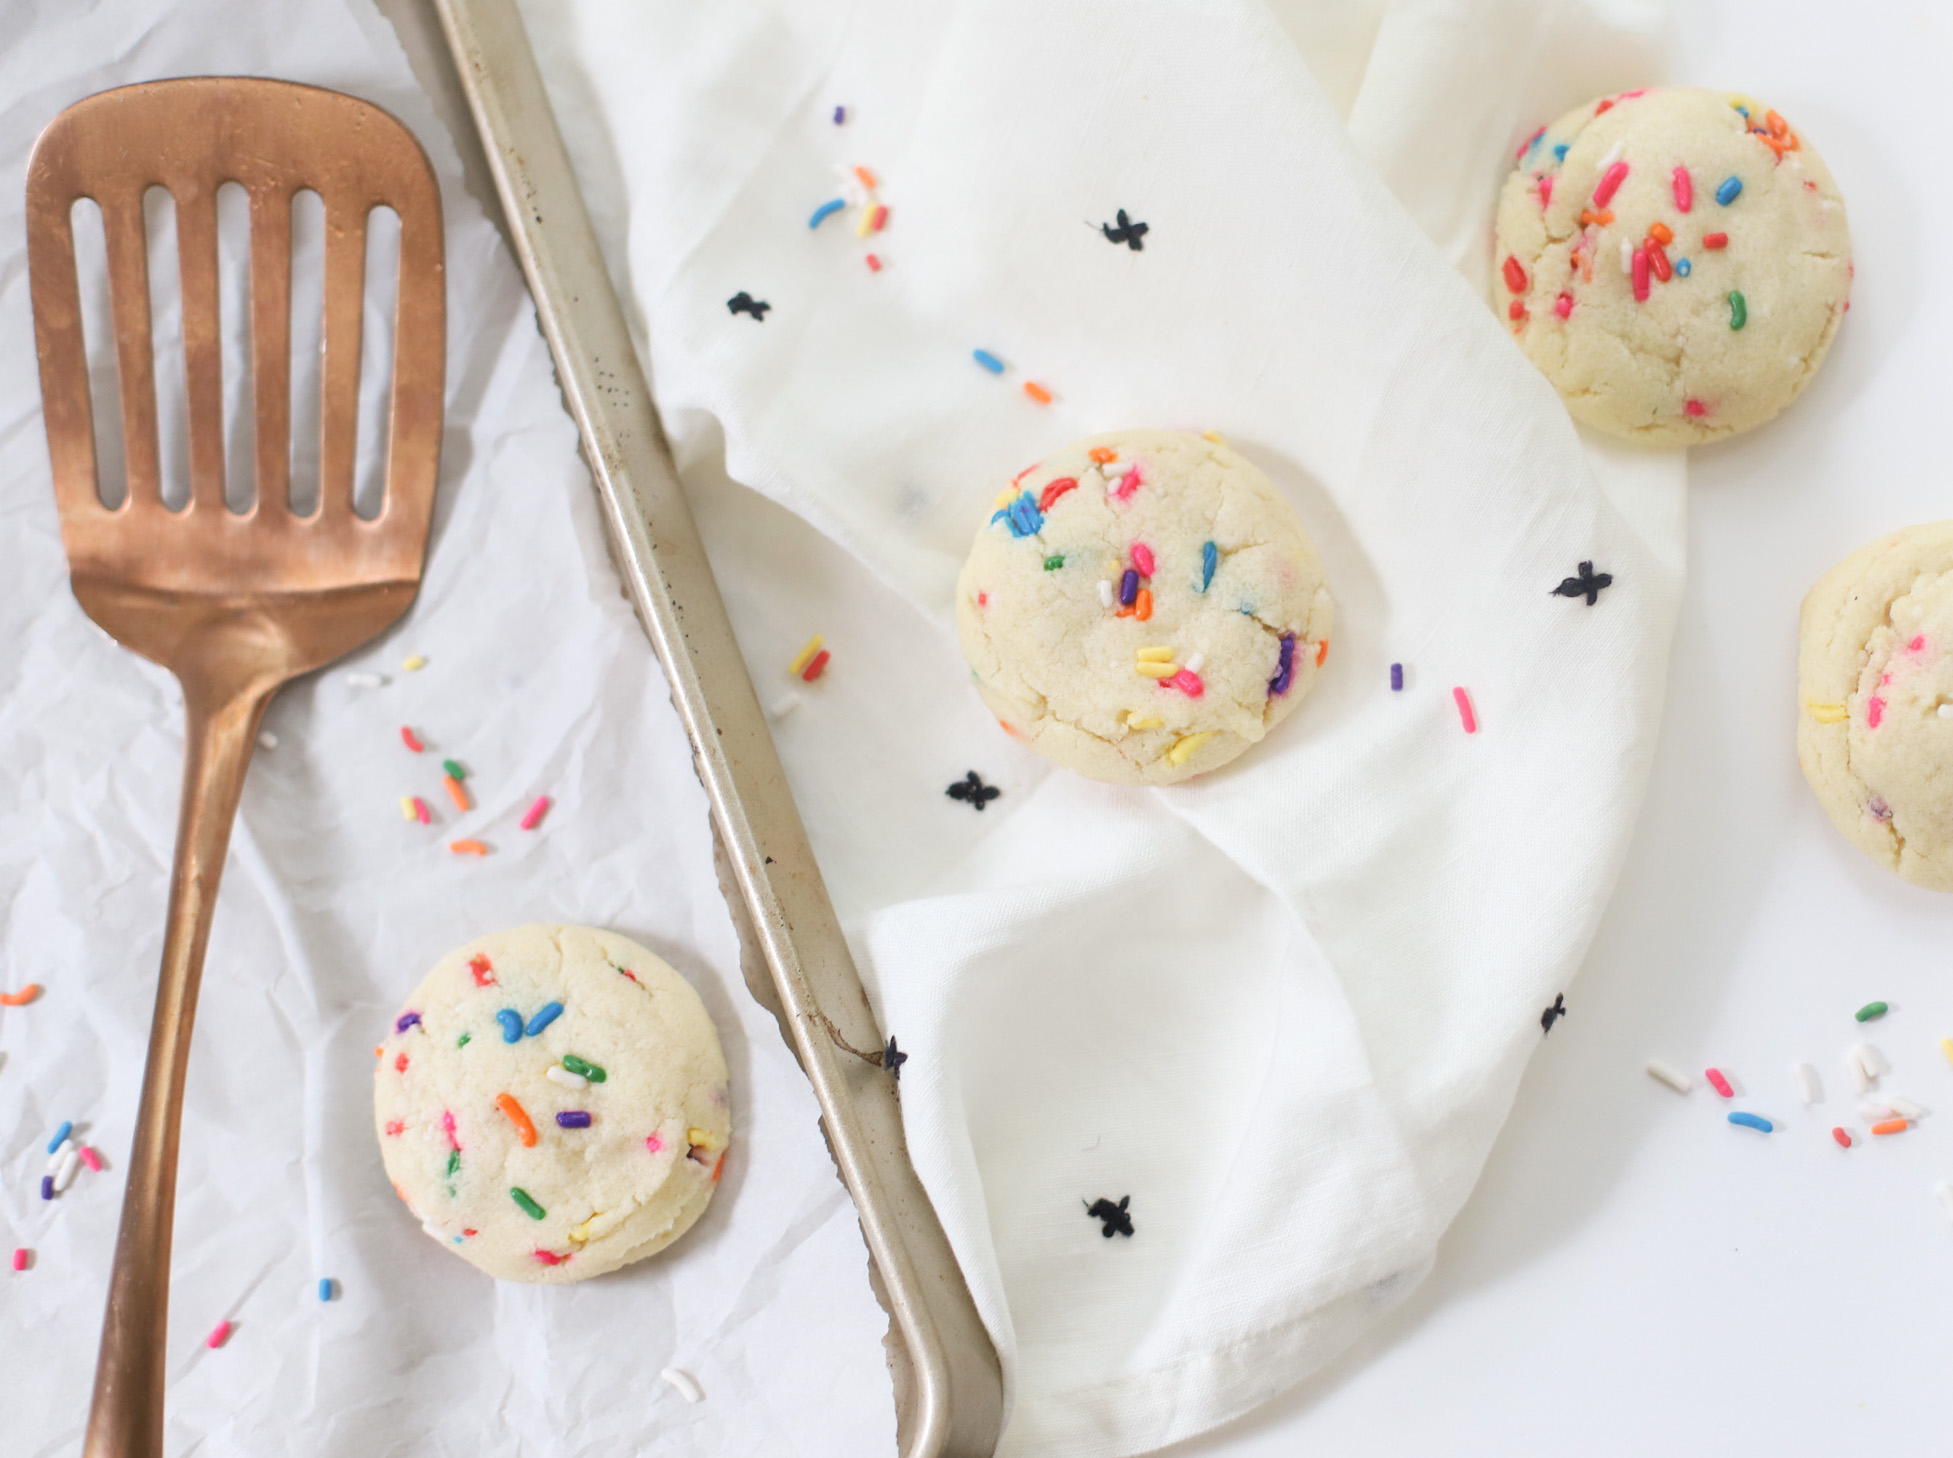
1052 564
1673 1077
1210 557
467 847
1753 1121
1739 312
1843 1137
587 1069
414 663
405 1021
1142 558
867 178
1718 1082
1906 1108
90 1158
518 1116
1891 1126
21 1256
1465 715
47 1187
453 770
21 998
60 1135
1694 408
529 1206
744 303
359 679
1117 1218
814 669
407 808
1871 1060
573 1119
1105 592
1284 667
1946 1047
456 793
556 1073
482 970
826 210
1807 1080
988 360
219 1334
784 705
1683 268
421 812
1661 233
973 790
547 1014
1639 269
1055 489
532 817
267 740
511 1022
1515 274
840 115
65 1175
1609 184
686 1384
1037 392
1183 748
806 655
1128 232
1713 241
1396 678
1563 305
874 263
1731 189
325 1288
1871 1010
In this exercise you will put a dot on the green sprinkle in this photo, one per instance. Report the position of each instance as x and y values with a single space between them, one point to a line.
464 1040
1871 1010
1739 312
587 1070
454 769
1052 564
529 1206
454 1162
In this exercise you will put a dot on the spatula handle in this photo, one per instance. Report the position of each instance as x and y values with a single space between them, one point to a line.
125 1419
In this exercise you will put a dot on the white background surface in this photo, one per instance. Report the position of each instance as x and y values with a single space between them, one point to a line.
1633 1276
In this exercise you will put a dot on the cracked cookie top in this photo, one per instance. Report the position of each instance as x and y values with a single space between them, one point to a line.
1675 261
1142 606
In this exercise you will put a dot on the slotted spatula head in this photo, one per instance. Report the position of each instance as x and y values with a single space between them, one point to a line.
321 584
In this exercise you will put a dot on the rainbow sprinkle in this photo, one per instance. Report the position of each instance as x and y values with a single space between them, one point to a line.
988 360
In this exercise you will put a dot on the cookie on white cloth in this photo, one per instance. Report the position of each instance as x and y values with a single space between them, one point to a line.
552 1103
1675 261
1142 607
1875 695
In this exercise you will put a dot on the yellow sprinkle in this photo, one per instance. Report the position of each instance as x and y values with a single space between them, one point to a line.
867 224
414 664
1156 655
407 808
1214 436
1133 721
581 1233
1828 713
1005 497
1946 1047
806 655
699 1139
1156 670
1186 745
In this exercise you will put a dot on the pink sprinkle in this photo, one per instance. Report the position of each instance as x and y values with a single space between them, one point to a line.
1142 558
1188 682
532 817
1465 714
396 1128
1694 407
654 1144
219 1334
20 1257
1718 1082
550 1258
1546 190
1527 144
421 812
90 1158
1874 711
1610 183
1684 190
1917 644
1563 305
447 1123
1639 268
1128 484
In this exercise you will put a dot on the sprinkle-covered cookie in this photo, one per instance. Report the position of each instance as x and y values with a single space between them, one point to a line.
1675 261
1875 700
551 1103
1142 606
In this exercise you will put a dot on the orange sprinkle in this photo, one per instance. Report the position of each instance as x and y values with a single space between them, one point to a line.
718 1168
1037 392
1777 125
1142 604
1322 652
518 1116
867 177
1661 234
467 847
456 793
1596 219
20 999
1104 454
1890 1126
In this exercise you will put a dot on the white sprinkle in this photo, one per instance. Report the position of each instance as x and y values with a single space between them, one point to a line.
365 680
1807 1079
557 1073
1945 1194
686 1384
428 1226
1946 711
1861 1077
1627 256
1876 1113
1673 1077
1871 1060
784 705
65 1176
1613 155
1105 592
1196 663
267 740
61 1152
1906 1108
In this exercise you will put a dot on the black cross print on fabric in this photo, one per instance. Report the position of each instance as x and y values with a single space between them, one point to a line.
1128 232
1554 1013
1117 1221
1588 584
744 303
893 1058
974 790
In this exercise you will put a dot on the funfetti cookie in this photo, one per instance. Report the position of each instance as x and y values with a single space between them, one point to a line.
551 1103
1875 700
1142 606
1675 261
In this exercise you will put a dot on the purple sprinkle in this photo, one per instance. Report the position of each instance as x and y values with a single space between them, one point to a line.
840 115
47 1187
406 1021
1880 810
1128 588
1284 667
1396 678
573 1119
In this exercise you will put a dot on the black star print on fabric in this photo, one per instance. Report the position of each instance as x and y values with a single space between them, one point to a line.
744 303
1588 584
1117 1221
893 1058
1554 1013
1128 232
974 790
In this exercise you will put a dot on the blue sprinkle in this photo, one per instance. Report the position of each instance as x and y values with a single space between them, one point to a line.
1731 189
67 1128
989 361
1752 1121
1538 137
47 1187
549 1014
1682 267
325 1288
511 1022
1559 152
1210 557
1744 110
1021 516
1128 587
406 1021
826 210
573 1119
1396 678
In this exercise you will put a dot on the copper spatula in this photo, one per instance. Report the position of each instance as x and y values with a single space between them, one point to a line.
233 603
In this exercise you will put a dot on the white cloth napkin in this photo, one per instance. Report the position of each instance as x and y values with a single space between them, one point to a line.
1283 1009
